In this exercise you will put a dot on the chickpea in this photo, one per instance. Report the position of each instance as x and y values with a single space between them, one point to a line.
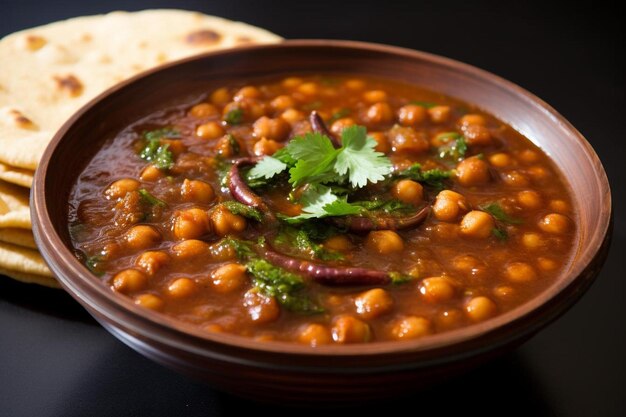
190 248
448 205
309 88
532 240
375 96
266 147
437 289
515 179
339 243
276 129
559 206
500 160
151 261
529 156
225 222
292 82
503 291
477 135
529 199
226 146
176 146
547 264
408 191
121 187
150 301
348 329
129 280
468 264
407 139
339 125
384 242
449 319
379 113
282 103
412 115
473 119
439 114
228 278
480 308
197 191
477 224
220 252
373 303
554 223
411 327
247 92
251 109
220 96
292 116
210 130
520 272
538 174
446 231
472 171
142 237
382 144
151 173
261 308
191 224
355 84
314 335
182 288
204 110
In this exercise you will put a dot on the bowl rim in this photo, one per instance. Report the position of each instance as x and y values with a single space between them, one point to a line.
70 272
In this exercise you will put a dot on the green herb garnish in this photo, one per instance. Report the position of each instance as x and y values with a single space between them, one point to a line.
426 104
338 115
150 199
93 264
238 208
282 285
500 233
433 177
155 152
234 117
499 214
455 146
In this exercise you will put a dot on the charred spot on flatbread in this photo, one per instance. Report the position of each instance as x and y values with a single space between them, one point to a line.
203 37
69 84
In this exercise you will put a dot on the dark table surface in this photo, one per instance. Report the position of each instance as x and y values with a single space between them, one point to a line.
56 361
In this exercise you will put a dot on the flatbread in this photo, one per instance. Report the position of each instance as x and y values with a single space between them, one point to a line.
14 208
31 278
17 258
19 237
48 72
19 176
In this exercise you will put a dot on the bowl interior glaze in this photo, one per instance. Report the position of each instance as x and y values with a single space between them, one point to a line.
78 140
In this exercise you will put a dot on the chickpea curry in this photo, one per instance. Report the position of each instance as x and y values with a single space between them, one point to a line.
323 209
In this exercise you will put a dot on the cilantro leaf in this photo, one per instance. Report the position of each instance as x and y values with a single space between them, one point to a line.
315 157
426 104
359 160
500 233
319 201
236 207
150 199
283 285
499 214
432 177
234 117
267 168
455 147
155 152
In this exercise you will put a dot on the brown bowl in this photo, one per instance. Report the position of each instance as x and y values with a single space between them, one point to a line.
284 371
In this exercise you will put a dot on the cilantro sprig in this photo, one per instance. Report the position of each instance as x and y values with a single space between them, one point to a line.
312 159
156 152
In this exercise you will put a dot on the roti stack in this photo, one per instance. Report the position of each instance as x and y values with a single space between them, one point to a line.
49 72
